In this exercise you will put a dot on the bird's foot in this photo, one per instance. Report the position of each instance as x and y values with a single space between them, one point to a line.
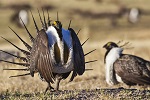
49 88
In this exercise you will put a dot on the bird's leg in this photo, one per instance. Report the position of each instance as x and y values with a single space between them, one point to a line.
57 82
49 87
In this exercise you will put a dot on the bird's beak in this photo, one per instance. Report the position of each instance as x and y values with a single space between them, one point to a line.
105 46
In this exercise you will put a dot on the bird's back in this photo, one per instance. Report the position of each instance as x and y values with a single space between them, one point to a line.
133 69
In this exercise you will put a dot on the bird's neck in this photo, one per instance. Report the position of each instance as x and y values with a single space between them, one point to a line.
110 57
106 55
59 31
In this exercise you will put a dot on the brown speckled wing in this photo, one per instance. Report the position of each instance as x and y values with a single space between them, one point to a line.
41 58
132 69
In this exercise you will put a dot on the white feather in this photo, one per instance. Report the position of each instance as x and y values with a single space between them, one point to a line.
119 78
111 57
52 36
23 14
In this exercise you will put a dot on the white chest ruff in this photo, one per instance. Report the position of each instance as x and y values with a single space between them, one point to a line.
111 57
53 38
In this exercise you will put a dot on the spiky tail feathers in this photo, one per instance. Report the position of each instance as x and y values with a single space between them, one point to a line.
26 53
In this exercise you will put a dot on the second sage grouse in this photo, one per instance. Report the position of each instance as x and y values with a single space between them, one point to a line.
126 68
54 54
23 14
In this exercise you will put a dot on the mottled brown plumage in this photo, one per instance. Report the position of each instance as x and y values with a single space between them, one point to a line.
133 70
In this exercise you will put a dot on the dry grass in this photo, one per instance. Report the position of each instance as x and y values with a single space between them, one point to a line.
100 31
86 94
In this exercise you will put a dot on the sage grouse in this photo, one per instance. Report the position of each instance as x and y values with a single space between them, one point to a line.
126 68
54 54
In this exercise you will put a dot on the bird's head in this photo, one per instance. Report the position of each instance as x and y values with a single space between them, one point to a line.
110 45
58 26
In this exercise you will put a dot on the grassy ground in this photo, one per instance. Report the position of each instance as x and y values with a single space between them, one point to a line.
89 94
100 32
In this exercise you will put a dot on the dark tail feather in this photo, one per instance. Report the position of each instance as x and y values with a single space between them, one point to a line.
90 61
17 69
21 58
49 22
85 41
89 52
34 22
31 37
22 64
78 31
69 24
41 19
20 75
27 45
57 16
88 69
25 52
44 20
74 74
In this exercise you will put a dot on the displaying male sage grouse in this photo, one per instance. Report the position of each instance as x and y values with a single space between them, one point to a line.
54 53
129 69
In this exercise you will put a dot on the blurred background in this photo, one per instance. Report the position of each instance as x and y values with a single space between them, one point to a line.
100 20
